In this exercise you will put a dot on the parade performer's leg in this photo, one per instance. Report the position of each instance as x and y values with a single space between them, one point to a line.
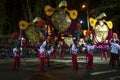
48 60
74 61
18 61
15 62
90 61
62 54
110 62
54 54
86 55
104 55
113 60
42 63
38 54
118 61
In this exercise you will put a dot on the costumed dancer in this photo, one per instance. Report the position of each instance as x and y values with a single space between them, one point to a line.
54 53
17 52
49 50
89 46
74 56
62 53
104 52
115 47
42 51
62 50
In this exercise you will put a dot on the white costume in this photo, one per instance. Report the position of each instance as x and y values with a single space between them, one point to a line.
15 51
74 48
42 48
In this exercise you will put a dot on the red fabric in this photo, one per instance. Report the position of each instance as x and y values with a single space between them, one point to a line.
54 54
62 54
104 55
47 59
90 61
74 61
16 64
38 54
86 55
42 63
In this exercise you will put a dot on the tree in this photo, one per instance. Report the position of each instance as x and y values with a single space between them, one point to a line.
2 15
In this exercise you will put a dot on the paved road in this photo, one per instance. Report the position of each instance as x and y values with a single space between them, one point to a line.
60 69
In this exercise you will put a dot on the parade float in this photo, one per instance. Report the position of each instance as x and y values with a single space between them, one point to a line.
101 29
59 23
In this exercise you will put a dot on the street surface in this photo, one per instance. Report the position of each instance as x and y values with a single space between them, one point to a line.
59 69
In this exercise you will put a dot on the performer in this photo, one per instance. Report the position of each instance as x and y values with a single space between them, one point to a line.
49 50
115 47
17 52
90 56
74 56
42 51
54 53
104 52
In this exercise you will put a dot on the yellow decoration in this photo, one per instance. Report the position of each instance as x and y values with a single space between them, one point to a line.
36 19
110 24
62 3
92 22
84 32
49 10
23 24
68 41
73 13
101 16
49 31
62 36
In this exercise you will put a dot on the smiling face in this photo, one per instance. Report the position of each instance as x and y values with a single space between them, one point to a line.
101 31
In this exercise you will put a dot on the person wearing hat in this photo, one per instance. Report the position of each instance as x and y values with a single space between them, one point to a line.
74 55
89 47
41 53
17 51
114 56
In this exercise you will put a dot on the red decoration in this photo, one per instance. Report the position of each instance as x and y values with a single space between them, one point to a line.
88 32
14 35
41 22
78 25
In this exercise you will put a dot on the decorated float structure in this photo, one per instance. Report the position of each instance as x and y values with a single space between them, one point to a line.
59 23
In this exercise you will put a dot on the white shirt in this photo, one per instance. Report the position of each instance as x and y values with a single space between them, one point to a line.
42 48
74 48
50 50
15 52
90 48
115 48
